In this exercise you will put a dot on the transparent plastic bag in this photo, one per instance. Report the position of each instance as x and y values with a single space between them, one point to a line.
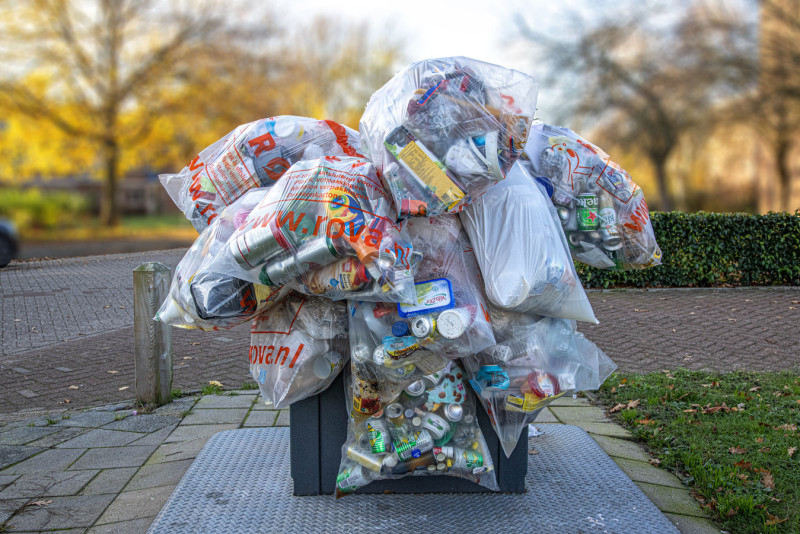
602 211
521 250
515 379
298 347
253 155
443 130
327 229
419 433
205 299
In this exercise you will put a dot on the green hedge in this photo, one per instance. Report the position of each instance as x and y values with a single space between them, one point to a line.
714 249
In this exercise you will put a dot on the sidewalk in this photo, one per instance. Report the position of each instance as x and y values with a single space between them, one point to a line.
110 470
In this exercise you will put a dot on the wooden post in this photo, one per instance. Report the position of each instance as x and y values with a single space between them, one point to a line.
152 339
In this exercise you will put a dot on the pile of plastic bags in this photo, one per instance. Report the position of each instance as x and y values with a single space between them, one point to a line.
434 248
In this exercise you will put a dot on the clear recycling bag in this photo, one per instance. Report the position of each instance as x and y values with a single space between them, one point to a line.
205 299
326 228
521 250
443 130
602 211
298 347
253 155
515 379
429 428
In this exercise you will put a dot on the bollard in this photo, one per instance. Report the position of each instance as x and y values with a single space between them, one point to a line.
152 339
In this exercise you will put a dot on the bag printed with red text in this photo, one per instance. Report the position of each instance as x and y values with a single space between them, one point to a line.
204 299
443 130
326 228
601 209
298 347
253 155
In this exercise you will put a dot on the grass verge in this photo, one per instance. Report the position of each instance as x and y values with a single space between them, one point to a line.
732 438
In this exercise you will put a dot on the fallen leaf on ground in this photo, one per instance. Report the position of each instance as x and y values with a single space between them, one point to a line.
188 358
645 421
743 464
73 387
764 449
655 461
123 388
112 372
732 512
194 343
737 450
754 388
791 428
774 520
215 383
791 451
533 451
759 440
691 410
40 503
768 480
633 404
617 408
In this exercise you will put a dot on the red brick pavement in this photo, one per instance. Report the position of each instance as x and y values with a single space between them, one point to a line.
719 329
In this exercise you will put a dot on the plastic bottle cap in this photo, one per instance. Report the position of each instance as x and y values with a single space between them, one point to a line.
390 460
286 126
416 421
322 367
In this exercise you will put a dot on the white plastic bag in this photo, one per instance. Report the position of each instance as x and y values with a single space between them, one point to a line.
521 251
298 347
326 228
443 130
253 155
515 379
429 428
205 299
601 209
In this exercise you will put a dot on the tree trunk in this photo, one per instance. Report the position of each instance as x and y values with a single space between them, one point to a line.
109 209
782 151
660 165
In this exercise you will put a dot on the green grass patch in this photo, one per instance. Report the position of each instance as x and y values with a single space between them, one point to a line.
732 438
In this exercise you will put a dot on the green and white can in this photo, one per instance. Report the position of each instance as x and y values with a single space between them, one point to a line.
587 212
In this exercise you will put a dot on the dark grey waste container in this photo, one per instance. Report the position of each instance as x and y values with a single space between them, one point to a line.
319 429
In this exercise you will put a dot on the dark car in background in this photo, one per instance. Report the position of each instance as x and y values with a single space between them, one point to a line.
9 242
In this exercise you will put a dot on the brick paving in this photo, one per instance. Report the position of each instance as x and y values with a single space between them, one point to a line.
68 323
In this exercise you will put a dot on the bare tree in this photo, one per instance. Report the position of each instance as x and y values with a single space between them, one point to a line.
101 58
639 75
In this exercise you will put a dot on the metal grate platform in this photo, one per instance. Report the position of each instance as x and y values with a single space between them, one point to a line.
240 483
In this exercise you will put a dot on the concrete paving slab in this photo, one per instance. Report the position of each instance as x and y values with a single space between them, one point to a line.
109 481
88 419
155 475
5 480
193 432
573 415
606 429
546 416
99 437
621 448
134 526
260 418
137 504
107 458
226 401
177 451
63 434
283 418
63 512
7 508
672 500
644 472
49 460
26 434
11 455
261 404
56 484
570 401
177 407
215 416
693 525
143 423
156 438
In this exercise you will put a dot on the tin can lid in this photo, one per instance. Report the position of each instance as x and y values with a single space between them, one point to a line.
440 456
421 326
431 467
612 243
415 389
454 412
400 329
441 466
394 410
451 324
409 413
416 421
379 355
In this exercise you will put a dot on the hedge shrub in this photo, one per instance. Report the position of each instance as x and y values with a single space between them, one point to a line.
36 209
714 249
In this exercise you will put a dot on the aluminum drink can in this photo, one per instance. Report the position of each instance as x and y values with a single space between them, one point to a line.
435 425
252 247
574 239
453 412
467 459
452 323
587 212
373 462
351 479
422 326
612 240
378 432
413 445
415 389
310 256
394 413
